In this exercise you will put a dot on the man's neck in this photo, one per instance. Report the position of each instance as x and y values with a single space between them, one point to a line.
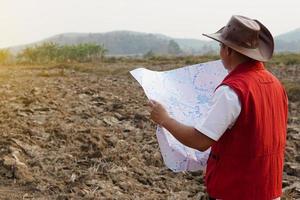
237 62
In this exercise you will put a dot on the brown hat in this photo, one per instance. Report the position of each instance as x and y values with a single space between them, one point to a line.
247 36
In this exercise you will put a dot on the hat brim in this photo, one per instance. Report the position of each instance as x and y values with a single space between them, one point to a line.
263 52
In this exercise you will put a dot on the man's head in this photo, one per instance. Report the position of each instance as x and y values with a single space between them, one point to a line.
231 58
247 37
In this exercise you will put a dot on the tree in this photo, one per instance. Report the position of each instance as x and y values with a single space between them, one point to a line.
149 54
28 55
173 48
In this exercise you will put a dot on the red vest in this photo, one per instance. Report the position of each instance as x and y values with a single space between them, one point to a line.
247 161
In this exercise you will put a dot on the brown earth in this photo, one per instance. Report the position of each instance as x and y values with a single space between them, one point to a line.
83 132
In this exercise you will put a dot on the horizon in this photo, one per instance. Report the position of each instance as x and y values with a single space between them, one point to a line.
32 20
202 39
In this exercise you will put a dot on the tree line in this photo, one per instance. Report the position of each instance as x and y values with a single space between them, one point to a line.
50 52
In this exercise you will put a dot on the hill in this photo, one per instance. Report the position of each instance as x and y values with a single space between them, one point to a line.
119 43
288 42
128 43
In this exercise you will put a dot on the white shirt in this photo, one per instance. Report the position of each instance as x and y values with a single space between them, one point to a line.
224 110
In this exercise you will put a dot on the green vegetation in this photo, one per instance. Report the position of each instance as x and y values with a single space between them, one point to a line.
285 59
54 53
5 56
287 67
150 57
292 90
173 48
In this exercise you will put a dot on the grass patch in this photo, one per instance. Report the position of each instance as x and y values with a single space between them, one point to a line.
286 59
293 90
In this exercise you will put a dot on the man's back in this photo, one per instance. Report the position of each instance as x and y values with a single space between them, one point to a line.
249 156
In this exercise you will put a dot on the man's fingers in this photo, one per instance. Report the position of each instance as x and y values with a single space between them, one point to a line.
152 106
151 103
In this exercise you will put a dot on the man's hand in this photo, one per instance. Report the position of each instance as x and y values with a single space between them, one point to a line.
187 135
158 113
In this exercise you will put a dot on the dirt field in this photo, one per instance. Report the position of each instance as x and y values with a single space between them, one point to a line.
82 132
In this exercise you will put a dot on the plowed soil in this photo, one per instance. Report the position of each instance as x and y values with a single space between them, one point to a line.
83 132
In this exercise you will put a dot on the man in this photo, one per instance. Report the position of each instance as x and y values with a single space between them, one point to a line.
246 124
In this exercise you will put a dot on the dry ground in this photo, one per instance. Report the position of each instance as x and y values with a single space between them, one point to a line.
82 132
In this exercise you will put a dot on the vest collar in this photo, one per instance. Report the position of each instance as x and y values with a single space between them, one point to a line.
252 65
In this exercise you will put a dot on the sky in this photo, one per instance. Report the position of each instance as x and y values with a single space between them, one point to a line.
26 21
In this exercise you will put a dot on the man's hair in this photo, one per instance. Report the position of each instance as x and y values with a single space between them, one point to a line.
236 52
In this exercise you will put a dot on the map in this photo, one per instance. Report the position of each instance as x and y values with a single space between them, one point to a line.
186 94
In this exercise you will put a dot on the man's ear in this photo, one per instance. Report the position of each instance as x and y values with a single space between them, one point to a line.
228 51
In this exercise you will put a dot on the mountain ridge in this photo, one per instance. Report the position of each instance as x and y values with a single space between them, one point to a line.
124 43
